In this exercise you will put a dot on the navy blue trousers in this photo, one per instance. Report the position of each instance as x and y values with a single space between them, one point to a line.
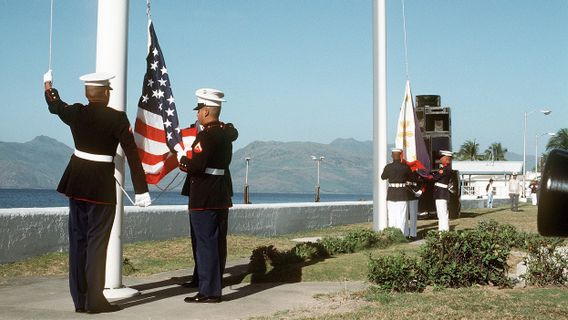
209 242
89 231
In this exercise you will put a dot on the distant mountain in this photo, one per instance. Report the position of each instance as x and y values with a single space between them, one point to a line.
288 167
281 167
36 164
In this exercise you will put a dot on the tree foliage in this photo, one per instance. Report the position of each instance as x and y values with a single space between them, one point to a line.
560 140
495 152
468 151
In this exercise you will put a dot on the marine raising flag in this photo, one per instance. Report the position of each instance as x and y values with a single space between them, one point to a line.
409 137
157 131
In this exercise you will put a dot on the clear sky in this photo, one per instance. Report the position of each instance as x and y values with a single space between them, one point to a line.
301 70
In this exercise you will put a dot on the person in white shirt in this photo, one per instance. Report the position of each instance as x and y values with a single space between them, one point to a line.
489 190
514 192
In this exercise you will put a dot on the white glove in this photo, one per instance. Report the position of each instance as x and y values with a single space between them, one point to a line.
48 76
418 193
142 200
179 152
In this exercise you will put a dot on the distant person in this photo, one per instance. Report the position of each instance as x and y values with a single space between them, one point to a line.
209 187
442 189
514 192
398 174
89 183
534 192
489 191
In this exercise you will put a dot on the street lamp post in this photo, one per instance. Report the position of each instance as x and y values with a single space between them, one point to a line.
545 112
246 199
318 161
551 134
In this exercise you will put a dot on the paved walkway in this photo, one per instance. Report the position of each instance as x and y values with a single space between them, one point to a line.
162 298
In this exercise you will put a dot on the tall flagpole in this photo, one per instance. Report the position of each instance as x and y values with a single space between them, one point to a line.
379 114
112 50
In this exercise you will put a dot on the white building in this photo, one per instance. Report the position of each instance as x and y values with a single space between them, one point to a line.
475 176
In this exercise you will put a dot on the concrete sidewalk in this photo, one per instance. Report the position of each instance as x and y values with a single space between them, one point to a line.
162 298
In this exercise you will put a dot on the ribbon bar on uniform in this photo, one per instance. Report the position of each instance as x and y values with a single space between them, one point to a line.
92 156
215 172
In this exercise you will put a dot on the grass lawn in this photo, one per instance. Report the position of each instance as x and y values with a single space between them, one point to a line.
151 257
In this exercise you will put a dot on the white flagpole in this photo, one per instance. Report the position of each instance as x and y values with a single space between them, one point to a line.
112 50
379 114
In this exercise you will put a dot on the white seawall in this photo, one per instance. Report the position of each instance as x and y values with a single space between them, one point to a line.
27 232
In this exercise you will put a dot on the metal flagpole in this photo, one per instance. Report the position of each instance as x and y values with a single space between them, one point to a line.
112 39
379 114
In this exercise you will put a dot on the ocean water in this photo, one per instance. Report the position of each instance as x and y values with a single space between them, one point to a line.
42 198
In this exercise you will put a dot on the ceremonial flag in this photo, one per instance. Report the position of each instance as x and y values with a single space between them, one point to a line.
409 137
156 130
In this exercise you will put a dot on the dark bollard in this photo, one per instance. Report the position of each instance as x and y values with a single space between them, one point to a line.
553 197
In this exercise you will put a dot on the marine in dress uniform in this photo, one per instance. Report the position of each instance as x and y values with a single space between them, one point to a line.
89 183
442 185
209 186
398 175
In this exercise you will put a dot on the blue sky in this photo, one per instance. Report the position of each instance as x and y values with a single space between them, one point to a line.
301 70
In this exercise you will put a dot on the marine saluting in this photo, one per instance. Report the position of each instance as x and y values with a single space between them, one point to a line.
89 183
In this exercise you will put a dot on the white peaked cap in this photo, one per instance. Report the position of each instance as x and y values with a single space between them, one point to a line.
97 79
446 153
399 150
210 97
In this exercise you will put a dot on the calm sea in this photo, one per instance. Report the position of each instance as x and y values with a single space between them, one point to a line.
41 198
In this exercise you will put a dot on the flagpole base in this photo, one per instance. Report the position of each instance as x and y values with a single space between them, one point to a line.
120 293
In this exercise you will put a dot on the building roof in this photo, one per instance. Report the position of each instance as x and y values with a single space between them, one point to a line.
488 167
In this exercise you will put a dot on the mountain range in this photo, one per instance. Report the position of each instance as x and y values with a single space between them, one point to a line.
278 167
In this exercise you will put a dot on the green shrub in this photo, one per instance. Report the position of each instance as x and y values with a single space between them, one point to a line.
353 241
390 236
464 258
310 250
399 273
546 264
363 239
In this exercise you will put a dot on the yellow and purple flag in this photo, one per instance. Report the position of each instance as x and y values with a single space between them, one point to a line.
409 137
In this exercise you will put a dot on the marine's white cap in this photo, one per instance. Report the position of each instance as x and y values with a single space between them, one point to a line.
446 153
209 97
97 79
396 150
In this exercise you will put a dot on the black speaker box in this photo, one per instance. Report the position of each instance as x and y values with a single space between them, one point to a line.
428 100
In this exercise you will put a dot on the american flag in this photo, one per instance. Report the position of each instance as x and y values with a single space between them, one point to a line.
156 130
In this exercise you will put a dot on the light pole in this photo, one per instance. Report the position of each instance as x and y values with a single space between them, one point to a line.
318 161
246 199
545 112
551 134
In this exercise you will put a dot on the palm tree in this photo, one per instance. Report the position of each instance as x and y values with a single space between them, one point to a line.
468 150
495 152
560 140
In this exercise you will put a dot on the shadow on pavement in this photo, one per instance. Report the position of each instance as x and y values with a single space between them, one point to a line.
260 280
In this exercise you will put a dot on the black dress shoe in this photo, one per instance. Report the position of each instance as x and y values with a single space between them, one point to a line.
199 298
191 284
109 308
80 310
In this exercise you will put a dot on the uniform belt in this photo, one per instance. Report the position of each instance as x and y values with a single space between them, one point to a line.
215 172
411 183
92 156
397 185
441 185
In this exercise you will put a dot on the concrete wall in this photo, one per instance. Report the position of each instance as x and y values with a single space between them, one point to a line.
30 232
